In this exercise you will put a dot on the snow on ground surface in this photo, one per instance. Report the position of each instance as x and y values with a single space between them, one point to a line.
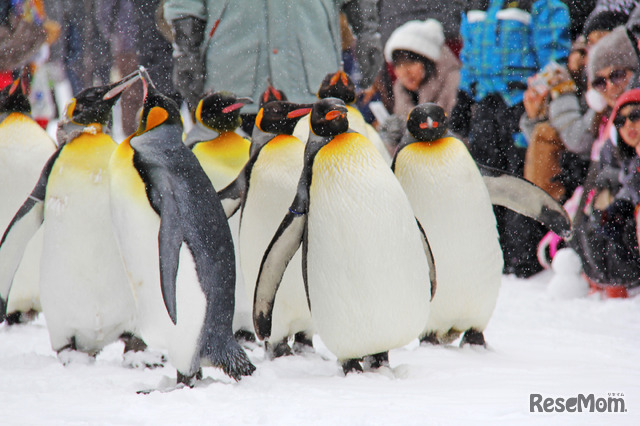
537 344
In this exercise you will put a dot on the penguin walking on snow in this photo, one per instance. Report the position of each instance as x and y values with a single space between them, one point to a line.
222 153
176 244
339 85
264 190
368 270
85 294
24 149
453 203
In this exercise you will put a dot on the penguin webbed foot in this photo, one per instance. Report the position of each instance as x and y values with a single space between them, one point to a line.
233 360
70 353
19 317
429 339
302 344
278 350
243 336
352 366
188 380
473 337
376 361
136 354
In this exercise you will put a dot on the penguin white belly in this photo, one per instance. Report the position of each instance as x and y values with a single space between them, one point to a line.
452 203
84 290
24 149
136 226
368 275
274 179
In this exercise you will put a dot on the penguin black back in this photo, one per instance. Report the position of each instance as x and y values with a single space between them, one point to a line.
338 85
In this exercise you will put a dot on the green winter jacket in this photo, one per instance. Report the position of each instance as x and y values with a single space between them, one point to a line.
294 43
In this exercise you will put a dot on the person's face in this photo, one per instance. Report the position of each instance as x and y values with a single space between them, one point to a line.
611 83
577 61
411 74
627 122
594 36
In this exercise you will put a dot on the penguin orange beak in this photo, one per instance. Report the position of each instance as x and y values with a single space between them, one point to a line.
340 75
299 112
122 85
332 115
427 125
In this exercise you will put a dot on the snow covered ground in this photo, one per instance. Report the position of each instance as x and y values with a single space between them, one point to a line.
537 344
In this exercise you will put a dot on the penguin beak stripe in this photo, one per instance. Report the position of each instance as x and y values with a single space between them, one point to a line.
299 112
232 107
124 84
332 115
14 86
433 125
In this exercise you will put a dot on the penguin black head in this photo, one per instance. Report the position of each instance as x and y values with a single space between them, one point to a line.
338 85
329 117
280 117
13 98
221 111
157 108
427 122
271 94
94 104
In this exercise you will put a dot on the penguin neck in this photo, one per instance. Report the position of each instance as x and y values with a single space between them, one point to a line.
69 130
259 139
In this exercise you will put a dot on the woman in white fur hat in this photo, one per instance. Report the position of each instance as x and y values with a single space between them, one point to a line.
426 69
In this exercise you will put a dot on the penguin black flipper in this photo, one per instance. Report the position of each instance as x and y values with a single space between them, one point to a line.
170 240
430 260
527 199
21 229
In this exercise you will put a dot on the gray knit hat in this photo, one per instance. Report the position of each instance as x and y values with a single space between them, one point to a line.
614 49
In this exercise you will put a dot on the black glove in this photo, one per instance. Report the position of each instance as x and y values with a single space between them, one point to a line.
188 68
460 121
392 130
364 19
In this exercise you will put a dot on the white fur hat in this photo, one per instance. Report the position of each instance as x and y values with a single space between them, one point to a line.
422 37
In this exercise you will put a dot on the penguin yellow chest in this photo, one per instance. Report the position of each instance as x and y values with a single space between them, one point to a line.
223 157
367 270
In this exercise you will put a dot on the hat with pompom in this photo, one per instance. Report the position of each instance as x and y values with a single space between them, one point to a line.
422 37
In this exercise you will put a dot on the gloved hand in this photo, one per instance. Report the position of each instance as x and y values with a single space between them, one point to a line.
188 68
364 20
392 130
460 121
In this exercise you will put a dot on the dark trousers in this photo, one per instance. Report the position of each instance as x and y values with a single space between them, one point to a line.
493 124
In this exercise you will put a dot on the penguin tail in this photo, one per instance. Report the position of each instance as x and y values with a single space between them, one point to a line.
232 359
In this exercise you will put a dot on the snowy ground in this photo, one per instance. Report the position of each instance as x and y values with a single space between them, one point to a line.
556 348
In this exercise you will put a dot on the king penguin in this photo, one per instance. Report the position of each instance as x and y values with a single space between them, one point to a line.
85 294
264 190
24 149
339 85
453 203
368 269
222 153
176 244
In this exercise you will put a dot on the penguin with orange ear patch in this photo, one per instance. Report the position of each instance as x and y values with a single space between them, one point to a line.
264 190
368 272
176 245
453 200
24 149
339 85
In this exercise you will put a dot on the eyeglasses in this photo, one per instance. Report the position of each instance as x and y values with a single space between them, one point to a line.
615 77
621 120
